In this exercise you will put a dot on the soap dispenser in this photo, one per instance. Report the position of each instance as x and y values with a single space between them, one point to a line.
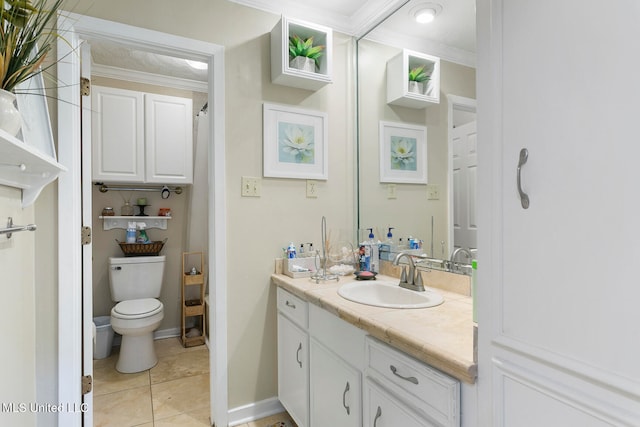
390 238
371 253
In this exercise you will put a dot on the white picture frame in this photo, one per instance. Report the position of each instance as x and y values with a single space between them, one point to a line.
295 143
403 153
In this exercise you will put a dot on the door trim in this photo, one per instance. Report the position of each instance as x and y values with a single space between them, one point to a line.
71 27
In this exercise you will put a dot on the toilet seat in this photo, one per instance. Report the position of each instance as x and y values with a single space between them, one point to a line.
137 308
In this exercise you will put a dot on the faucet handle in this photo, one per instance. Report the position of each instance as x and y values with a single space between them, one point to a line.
403 276
418 280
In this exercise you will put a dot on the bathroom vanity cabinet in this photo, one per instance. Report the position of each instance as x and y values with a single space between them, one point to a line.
331 373
293 356
141 137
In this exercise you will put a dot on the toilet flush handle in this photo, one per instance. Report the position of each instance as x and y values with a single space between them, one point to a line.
117 267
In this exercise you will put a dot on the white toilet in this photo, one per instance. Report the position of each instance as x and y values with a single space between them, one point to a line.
135 284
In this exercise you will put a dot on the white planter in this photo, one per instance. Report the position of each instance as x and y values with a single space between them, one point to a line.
10 118
303 63
416 87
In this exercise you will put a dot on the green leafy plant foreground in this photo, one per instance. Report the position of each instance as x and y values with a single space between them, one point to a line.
417 74
26 38
299 47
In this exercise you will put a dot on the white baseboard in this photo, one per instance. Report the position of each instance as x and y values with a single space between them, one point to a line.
254 411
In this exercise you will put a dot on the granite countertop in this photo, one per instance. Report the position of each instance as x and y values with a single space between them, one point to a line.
441 336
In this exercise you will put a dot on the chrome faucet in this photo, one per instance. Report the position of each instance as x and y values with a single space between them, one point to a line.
457 251
413 281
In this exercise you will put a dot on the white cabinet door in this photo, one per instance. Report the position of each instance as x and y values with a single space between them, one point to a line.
557 287
382 409
117 135
169 139
335 390
293 370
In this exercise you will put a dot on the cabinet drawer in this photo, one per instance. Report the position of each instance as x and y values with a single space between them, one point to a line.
293 307
437 394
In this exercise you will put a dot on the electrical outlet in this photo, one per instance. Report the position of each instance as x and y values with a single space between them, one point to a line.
312 189
251 186
391 191
433 192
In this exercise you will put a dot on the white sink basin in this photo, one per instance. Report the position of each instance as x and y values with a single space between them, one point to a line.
382 293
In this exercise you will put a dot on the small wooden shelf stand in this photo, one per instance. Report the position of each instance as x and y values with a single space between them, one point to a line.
193 307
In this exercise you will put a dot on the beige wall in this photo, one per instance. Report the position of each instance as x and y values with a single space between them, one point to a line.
18 310
257 228
410 213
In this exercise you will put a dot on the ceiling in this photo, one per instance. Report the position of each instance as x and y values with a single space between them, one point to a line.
451 36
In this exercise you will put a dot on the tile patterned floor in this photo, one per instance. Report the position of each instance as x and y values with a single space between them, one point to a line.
175 392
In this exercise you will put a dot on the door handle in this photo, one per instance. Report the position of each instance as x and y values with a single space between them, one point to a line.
378 415
344 399
524 198
298 355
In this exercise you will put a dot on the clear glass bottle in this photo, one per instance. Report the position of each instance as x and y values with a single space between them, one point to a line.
126 209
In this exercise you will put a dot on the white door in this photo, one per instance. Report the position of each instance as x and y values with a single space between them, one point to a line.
465 177
87 249
557 284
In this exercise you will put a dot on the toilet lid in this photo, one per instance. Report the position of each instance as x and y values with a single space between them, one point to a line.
138 307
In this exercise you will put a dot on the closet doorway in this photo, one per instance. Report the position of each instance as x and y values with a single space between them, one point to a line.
75 311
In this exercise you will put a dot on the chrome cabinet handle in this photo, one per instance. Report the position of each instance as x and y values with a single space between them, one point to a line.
298 355
344 399
524 198
288 304
378 415
410 379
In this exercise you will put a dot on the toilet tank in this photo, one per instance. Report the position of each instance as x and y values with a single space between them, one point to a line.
136 277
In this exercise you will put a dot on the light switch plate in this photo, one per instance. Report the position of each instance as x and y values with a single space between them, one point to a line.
391 191
251 186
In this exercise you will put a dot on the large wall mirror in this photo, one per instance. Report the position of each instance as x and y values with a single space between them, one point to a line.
441 213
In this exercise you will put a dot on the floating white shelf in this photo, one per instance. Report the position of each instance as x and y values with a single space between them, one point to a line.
282 73
398 92
111 222
25 167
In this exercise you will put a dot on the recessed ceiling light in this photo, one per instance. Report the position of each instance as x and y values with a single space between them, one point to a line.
197 64
425 12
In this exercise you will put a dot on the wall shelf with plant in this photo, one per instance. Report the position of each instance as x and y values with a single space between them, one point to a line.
301 54
27 153
413 79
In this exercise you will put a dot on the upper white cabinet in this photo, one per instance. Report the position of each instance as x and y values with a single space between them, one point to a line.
406 93
141 137
283 71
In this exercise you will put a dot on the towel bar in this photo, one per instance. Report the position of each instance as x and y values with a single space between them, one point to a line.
10 229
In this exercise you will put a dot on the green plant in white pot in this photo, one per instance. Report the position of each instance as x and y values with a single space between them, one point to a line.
418 78
303 54
26 37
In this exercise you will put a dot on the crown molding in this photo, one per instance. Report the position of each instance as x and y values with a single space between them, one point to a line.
148 78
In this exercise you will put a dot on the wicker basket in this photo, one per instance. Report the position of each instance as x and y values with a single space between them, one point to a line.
141 249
